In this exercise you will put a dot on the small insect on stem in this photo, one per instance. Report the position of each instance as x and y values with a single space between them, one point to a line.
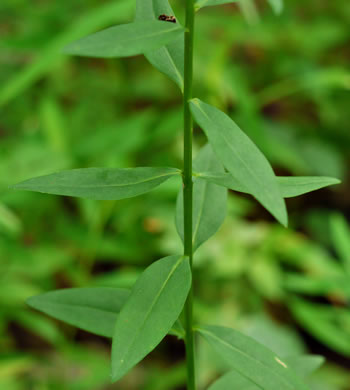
167 18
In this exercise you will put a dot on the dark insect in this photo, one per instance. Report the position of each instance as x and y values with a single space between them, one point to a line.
167 18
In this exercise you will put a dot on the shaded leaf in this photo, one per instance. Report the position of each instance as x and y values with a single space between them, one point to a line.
92 309
252 360
126 40
168 59
289 186
241 157
209 201
99 183
154 305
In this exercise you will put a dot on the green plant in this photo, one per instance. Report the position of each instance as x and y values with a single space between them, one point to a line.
138 320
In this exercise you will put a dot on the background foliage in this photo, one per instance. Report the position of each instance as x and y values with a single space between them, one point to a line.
284 79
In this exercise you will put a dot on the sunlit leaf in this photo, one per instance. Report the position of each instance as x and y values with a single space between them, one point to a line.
209 201
99 183
126 40
251 359
241 157
154 305
170 58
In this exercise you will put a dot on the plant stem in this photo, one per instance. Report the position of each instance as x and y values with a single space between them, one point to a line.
188 188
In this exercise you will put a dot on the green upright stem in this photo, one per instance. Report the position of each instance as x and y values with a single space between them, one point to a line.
188 188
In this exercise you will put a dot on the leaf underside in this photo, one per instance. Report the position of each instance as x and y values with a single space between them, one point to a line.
209 201
99 183
152 308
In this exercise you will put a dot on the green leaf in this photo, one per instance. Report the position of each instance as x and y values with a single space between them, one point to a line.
168 59
251 359
126 40
155 303
51 53
99 183
241 157
295 186
289 186
92 309
302 365
340 233
328 324
209 201
276 5
206 3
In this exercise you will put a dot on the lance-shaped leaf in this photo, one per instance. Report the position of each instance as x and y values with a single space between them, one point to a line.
92 309
251 359
168 59
206 3
289 186
126 40
303 366
99 183
209 201
154 305
277 5
241 157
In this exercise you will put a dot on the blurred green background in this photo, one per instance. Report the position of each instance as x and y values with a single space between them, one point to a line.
285 79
